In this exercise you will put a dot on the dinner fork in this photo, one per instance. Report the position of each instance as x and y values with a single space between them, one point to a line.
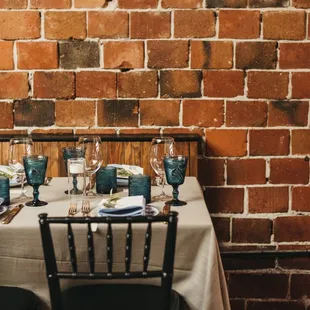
85 208
72 209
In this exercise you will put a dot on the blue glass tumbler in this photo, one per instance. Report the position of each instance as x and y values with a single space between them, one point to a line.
5 190
140 185
106 180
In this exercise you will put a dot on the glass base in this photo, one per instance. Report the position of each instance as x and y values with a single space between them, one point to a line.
74 192
21 199
161 197
37 203
176 203
92 195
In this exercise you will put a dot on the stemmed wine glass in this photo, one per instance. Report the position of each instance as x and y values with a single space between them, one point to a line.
93 158
161 147
18 148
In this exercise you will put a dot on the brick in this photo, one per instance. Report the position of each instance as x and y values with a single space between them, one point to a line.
168 53
13 132
118 113
127 55
90 3
237 304
96 84
79 54
150 25
214 81
159 112
27 27
65 25
246 113
6 52
289 171
226 142
222 228
243 263
275 305
52 132
232 24
300 200
37 55
211 172
294 55
268 199
50 4
246 171
301 142
75 113
34 113
211 54
268 3
96 132
140 131
13 4
141 84
299 284
13 85
203 113
180 84
6 115
284 25
54 85
301 263
226 3
271 85
224 200
292 228
108 24
256 55
269 142
288 113
137 4
258 285
301 4
194 24
300 85
181 131
181 4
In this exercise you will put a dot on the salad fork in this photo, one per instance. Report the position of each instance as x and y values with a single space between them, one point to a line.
85 208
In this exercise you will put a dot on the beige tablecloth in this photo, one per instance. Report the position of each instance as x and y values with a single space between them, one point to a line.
199 275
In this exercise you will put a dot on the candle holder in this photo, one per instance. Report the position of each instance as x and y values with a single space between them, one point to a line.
5 190
76 176
140 185
106 180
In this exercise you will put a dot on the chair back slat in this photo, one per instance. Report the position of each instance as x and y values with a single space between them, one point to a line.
110 248
91 251
128 248
147 246
72 251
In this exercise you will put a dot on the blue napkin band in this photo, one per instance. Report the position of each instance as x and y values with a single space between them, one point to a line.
126 211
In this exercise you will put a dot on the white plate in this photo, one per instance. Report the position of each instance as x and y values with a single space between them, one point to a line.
3 209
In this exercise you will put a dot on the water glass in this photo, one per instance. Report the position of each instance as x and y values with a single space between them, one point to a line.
140 185
106 180
5 190
76 176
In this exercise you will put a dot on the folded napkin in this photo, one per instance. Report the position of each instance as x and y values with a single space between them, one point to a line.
127 211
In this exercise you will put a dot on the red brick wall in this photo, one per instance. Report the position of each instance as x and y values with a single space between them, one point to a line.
235 71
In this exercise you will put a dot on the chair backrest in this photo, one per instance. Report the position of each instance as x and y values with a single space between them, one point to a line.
53 274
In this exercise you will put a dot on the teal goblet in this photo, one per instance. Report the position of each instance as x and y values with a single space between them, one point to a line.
35 169
175 168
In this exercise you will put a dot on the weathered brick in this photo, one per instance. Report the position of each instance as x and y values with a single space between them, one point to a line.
140 131
137 4
222 228
300 200
13 4
256 55
203 113
268 199
90 3
294 55
14 132
54 85
27 27
214 81
34 113
194 24
167 53
211 54
65 25
300 85
226 3
181 131
246 171
246 263
50 4
239 24
269 142
275 305
150 25
159 112
108 24
182 4
268 3
237 304
226 142
289 171
96 84
37 55
211 172
75 113
299 284
301 263
6 52
13 85
118 113
224 200
271 85
301 4
246 113
96 132
141 84
284 25
79 54
55 131
301 142
124 54
251 230
6 115
288 113
180 83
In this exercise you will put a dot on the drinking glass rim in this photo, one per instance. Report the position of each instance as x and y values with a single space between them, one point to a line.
176 157
72 148
40 157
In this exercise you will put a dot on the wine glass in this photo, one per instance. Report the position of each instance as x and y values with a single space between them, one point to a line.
161 147
35 168
18 148
175 167
93 159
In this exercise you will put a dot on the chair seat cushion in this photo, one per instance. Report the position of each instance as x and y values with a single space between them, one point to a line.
15 298
118 297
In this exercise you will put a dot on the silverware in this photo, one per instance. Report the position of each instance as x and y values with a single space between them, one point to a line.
85 208
72 209
47 181
11 214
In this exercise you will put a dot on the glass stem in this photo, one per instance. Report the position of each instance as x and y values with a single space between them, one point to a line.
22 177
175 192
75 182
35 193
162 179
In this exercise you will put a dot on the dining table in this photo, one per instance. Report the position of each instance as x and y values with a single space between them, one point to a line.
198 273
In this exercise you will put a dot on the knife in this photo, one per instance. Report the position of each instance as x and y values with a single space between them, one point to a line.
12 213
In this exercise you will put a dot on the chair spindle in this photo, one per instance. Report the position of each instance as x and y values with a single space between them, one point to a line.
72 251
91 252
110 248
147 246
128 248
